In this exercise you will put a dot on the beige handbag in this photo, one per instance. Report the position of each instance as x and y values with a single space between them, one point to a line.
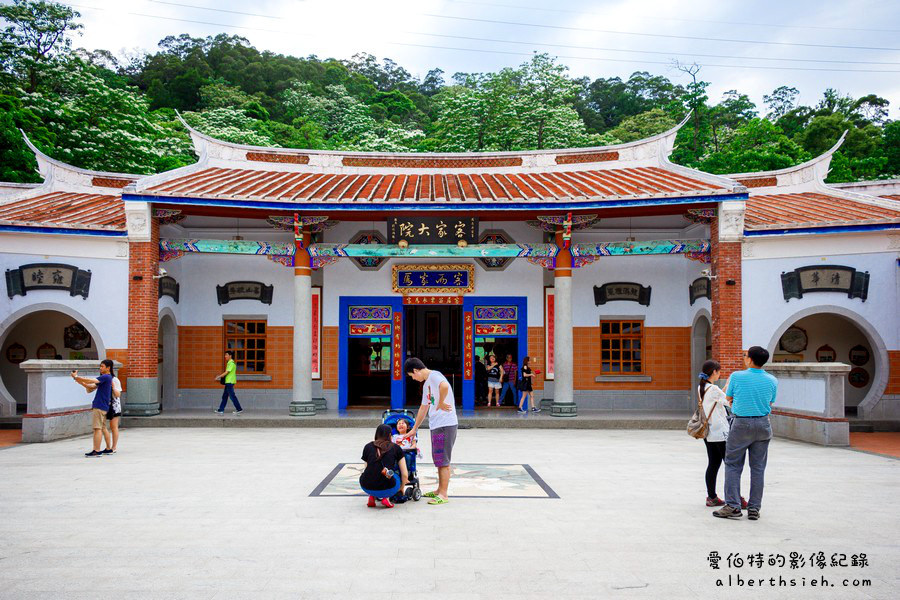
698 426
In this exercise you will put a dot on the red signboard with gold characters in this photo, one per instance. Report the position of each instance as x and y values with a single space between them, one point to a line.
371 329
495 329
467 342
398 346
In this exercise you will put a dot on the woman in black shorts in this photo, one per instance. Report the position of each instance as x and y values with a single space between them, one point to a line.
524 385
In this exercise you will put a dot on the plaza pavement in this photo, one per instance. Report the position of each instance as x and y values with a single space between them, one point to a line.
226 513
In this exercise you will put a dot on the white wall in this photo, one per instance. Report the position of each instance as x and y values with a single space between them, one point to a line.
765 309
669 275
199 274
106 306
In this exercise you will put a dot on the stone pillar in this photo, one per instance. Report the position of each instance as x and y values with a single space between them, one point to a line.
726 233
301 400
563 388
141 397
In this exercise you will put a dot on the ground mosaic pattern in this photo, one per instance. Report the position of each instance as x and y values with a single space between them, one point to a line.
468 481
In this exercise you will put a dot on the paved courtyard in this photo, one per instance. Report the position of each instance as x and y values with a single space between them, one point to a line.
228 513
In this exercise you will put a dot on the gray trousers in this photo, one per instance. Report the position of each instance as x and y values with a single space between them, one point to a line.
748 435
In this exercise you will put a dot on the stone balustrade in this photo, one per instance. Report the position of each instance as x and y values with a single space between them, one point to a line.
810 402
57 406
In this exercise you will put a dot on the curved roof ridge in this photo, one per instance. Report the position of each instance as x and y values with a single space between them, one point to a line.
817 164
58 175
208 139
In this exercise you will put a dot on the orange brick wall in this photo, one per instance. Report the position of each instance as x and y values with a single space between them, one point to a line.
893 386
661 346
143 304
329 358
200 358
727 326
120 355
536 352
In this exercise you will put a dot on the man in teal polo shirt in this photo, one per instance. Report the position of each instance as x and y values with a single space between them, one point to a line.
751 393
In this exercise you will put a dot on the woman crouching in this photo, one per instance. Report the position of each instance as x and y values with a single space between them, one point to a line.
385 473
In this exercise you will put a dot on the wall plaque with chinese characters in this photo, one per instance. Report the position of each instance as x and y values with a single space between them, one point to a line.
168 287
244 290
433 230
48 276
699 288
825 278
433 279
622 290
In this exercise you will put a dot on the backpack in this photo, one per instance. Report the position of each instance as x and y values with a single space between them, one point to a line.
698 425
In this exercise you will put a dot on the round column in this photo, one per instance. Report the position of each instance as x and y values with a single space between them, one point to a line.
301 397
563 373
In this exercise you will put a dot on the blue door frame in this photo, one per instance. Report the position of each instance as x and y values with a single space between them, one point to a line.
396 305
469 304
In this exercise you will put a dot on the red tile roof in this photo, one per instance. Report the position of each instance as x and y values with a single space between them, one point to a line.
810 209
892 197
66 210
290 186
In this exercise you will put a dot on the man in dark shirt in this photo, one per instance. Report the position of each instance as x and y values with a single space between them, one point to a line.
100 405
509 376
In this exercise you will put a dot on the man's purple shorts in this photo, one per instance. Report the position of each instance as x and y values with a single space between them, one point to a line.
442 440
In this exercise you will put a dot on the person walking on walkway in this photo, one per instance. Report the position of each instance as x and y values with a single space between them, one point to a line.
440 406
752 393
229 378
100 404
509 375
525 386
713 401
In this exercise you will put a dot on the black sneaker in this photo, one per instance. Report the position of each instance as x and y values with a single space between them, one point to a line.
727 512
753 514
93 453
108 451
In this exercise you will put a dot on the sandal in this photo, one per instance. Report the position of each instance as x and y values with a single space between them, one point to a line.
438 500
430 494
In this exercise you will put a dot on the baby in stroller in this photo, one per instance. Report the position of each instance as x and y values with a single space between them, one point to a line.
400 421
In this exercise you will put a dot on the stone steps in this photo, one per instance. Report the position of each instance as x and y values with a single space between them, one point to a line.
506 419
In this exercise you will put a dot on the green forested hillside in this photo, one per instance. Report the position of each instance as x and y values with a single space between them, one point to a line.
100 112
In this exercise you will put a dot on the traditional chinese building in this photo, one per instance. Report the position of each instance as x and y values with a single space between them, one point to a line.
615 270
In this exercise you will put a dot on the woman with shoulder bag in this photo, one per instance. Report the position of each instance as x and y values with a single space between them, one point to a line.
712 404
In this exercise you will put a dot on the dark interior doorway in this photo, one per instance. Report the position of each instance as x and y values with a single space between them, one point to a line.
499 347
434 334
369 372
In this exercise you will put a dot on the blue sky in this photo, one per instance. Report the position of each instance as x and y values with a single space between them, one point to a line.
597 38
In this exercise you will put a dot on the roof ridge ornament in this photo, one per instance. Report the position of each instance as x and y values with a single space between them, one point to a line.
60 176
809 173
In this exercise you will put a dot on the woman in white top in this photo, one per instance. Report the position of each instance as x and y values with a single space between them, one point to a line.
713 406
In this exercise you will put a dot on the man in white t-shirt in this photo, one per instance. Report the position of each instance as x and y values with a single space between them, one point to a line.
440 406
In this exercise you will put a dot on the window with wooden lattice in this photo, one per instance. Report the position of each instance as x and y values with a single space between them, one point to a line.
247 342
621 347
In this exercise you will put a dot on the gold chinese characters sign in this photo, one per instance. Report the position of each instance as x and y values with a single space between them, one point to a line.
433 279
433 230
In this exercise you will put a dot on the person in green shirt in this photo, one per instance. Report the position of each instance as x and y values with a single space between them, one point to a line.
229 378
